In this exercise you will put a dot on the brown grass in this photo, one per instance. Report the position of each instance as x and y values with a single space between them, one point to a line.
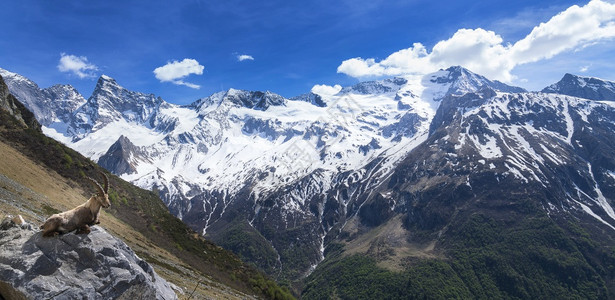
387 243
47 190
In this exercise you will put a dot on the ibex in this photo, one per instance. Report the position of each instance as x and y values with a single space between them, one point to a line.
81 217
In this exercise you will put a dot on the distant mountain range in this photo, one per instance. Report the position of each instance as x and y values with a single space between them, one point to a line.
40 176
395 170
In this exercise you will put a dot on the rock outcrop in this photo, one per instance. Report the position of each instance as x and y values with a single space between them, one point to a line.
93 266
15 108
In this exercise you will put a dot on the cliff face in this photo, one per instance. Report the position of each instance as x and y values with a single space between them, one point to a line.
15 108
93 266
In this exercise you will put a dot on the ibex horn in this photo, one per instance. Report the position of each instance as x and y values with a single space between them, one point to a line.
106 182
97 185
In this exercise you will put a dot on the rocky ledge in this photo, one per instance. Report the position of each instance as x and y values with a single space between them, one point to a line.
70 266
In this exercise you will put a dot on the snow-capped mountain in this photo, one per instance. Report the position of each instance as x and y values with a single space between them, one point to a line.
276 164
277 179
550 147
583 87
51 105
510 196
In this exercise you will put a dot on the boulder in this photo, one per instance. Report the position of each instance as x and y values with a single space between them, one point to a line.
71 266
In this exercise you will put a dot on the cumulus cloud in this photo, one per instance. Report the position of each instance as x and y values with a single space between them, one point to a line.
175 71
77 65
326 90
243 57
485 52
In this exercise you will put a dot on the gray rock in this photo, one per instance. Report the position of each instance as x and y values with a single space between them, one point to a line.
93 266
121 157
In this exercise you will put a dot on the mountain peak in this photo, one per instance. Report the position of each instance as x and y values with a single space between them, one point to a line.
106 85
120 157
463 81
14 80
311 98
14 76
232 91
110 101
106 80
376 87
109 89
257 100
254 99
583 87
458 69
65 91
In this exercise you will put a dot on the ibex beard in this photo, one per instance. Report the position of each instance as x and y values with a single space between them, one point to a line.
81 217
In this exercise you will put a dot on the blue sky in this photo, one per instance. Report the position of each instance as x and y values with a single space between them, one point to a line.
290 46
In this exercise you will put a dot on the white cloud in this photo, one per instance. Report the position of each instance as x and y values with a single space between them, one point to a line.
188 84
175 71
77 65
485 52
243 57
584 69
326 90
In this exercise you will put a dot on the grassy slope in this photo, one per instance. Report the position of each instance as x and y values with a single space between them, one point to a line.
56 174
480 258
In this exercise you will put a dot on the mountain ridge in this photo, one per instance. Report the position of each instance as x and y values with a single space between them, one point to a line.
305 174
583 87
50 105
325 129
